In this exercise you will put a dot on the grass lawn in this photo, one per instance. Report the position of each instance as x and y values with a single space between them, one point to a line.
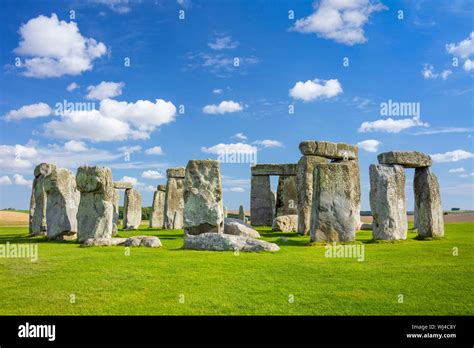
105 281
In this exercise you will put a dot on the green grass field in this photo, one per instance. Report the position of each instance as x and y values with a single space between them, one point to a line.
105 281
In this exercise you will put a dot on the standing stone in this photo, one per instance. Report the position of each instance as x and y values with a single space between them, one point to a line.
95 214
38 201
241 213
115 219
261 201
415 218
286 196
158 207
336 202
273 202
428 204
387 202
304 183
62 202
203 207
174 200
132 209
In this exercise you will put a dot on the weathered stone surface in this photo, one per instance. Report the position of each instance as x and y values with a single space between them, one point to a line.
178 172
366 227
95 214
115 218
122 185
38 203
241 213
132 209
328 149
285 223
429 210
145 241
203 207
237 227
387 202
157 214
221 242
261 201
161 188
336 202
62 202
304 184
66 236
135 241
174 199
286 196
407 159
274 169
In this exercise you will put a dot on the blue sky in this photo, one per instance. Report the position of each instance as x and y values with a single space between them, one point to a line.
135 123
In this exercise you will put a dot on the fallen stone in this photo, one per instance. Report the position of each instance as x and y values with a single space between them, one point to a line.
328 150
66 236
144 241
407 159
429 210
62 202
336 202
104 241
237 227
285 223
304 183
222 242
387 202
95 214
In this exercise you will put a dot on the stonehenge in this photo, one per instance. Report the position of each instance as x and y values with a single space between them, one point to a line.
174 199
158 207
37 221
203 206
387 196
62 203
132 209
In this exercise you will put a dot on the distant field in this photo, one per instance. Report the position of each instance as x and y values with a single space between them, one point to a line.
297 280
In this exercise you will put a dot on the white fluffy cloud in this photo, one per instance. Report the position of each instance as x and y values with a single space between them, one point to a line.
105 90
268 143
237 189
429 72
468 65
29 111
390 125
451 156
118 6
238 148
217 91
5 180
369 145
223 43
152 174
129 179
316 89
155 150
113 121
226 106
75 146
462 49
72 86
18 179
339 20
55 48
457 170
240 136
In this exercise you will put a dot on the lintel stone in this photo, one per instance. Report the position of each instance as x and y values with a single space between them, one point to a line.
328 149
274 169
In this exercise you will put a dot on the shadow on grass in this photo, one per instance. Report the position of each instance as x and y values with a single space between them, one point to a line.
26 238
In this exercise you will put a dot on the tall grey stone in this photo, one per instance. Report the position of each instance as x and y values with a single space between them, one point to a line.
38 203
203 207
62 202
261 201
241 213
336 202
387 202
429 210
132 209
286 196
304 183
158 207
115 218
174 199
95 214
